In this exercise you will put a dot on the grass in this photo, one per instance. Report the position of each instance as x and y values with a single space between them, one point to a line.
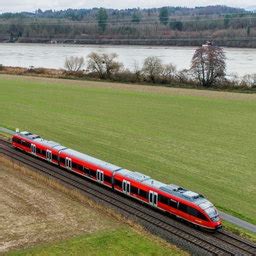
240 231
204 144
121 242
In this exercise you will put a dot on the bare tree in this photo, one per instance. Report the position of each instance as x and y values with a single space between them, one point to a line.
168 72
105 65
208 65
111 65
74 64
152 68
95 64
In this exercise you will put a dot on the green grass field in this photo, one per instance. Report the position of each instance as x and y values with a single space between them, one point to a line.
121 242
204 144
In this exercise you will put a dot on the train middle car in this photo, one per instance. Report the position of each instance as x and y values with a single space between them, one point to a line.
173 199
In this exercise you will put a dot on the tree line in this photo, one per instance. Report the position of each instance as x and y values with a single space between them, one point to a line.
166 25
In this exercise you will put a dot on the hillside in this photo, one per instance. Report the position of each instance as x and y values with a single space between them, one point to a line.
158 26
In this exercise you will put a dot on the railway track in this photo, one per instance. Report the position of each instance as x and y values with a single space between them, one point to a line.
170 229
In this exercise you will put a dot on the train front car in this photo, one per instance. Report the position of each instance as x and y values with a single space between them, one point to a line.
201 212
211 212
187 205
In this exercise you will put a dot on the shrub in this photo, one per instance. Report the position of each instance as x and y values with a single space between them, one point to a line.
249 81
105 65
126 76
152 69
168 73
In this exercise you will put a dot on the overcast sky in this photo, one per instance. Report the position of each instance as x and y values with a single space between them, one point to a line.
31 5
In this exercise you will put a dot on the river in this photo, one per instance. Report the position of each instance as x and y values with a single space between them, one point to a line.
240 61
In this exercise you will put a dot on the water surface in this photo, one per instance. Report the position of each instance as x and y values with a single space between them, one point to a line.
239 60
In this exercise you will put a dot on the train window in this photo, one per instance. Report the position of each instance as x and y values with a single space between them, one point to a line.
173 203
201 216
134 190
43 152
62 160
93 173
26 144
80 167
118 183
55 157
108 179
74 165
163 199
195 213
183 207
192 211
38 150
87 171
16 140
143 193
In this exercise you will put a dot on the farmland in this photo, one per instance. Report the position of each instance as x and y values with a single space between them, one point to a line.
202 141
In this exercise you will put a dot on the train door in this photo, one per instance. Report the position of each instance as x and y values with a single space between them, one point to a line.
153 198
100 176
49 155
126 186
68 163
33 149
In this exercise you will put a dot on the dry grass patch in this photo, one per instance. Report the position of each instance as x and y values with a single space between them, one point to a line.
33 212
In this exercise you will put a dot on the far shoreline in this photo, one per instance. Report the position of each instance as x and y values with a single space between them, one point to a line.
131 42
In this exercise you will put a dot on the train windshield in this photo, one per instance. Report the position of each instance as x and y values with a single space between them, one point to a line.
212 213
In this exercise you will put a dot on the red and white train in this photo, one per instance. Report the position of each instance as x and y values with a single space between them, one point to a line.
173 199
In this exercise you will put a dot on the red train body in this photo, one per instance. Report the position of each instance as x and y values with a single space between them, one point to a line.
173 199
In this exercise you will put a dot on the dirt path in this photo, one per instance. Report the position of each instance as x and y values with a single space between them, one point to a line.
32 212
137 88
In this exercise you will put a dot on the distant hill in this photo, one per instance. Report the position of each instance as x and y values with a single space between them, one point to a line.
155 26
80 14
251 8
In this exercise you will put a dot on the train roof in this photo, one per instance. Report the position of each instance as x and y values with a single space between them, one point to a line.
142 178
92 160
38 139
154 183
28 135
137 176
183 193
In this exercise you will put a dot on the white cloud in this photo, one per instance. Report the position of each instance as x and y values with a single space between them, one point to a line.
31 5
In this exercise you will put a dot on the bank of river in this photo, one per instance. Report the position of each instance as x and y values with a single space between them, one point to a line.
239 60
